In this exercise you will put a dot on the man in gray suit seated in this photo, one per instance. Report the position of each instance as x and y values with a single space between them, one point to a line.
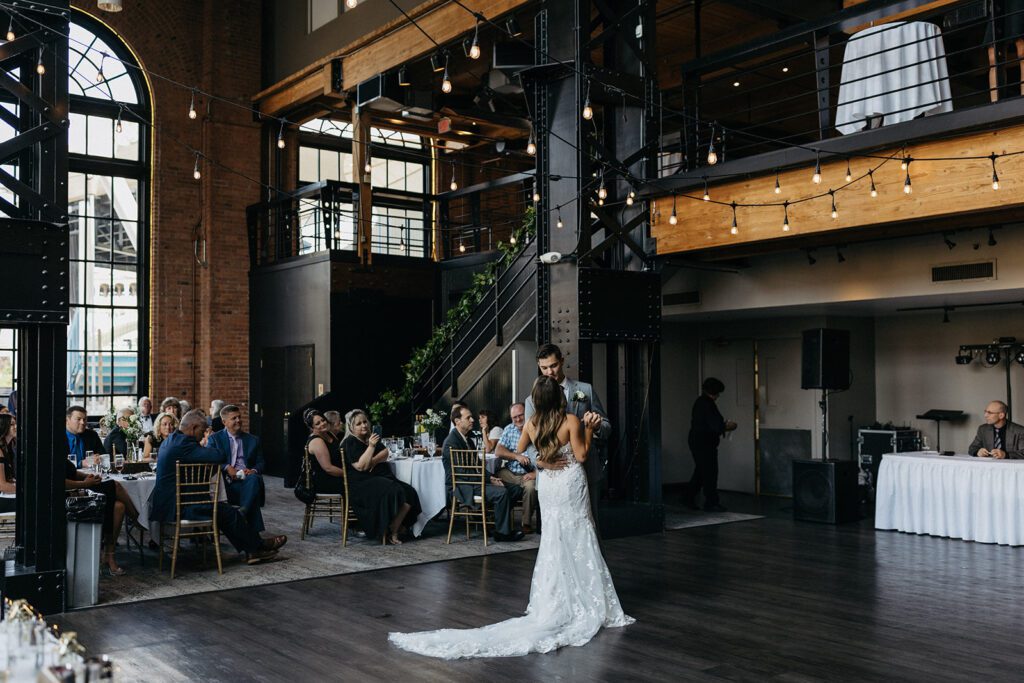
499 495
998 437
582 400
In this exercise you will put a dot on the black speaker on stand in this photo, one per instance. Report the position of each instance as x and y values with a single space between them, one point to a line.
825 491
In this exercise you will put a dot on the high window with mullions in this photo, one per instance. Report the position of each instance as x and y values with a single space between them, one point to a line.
399 165
108 223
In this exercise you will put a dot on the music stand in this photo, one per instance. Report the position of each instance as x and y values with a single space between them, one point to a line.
940 416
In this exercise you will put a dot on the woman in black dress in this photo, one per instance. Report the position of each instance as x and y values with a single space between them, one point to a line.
326 463
382 503
117 505
8 435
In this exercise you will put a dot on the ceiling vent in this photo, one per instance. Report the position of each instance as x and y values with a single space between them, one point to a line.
962 272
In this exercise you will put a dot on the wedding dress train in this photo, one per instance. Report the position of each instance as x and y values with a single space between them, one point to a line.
571 595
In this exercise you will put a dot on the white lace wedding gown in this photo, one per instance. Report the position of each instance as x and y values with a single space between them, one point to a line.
571 595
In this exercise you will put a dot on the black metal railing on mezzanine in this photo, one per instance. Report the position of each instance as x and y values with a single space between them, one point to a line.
324 215
881 73
476 219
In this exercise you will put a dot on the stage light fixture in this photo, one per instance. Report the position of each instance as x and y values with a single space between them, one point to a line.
1019 355
991 238
950 244
992 356
964 358
512 27
403 76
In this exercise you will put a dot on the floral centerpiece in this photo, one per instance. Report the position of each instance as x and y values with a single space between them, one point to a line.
432 420
133 430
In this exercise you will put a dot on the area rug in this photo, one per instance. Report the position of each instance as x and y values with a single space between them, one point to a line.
677 519
319 555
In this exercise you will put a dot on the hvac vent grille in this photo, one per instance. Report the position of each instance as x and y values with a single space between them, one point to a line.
957 272
681 298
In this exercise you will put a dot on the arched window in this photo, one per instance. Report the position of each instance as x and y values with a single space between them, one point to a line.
108 209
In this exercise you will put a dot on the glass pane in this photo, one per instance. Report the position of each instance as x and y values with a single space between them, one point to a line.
396 175
76 272
125 198
98 189
346 167
100 137
126 344
76 193
309 165
76 328
97 405
6 338
76 134
125 235
6 373
379 176
102 239
414 181
126 143
329 165
97 281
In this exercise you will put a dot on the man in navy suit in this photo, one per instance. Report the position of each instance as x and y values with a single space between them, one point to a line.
243 465
183 446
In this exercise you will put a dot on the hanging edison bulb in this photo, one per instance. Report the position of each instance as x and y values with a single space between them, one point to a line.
588 111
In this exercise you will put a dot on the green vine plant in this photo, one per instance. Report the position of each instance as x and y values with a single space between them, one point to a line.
391 401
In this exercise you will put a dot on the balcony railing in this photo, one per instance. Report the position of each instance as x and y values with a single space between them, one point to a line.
776 100
475 219
324 215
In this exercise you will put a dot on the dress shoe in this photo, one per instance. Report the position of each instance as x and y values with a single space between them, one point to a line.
274 542
509 538
715 508
261 556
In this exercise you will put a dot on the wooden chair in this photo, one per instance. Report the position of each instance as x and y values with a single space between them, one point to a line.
196 485
468 469
330 504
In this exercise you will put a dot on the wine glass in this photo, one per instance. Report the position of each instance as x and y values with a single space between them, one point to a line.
119 462
152 465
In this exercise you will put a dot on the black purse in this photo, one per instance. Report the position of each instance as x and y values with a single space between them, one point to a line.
305 494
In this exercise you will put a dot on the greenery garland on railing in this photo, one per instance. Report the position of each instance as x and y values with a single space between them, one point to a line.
392 400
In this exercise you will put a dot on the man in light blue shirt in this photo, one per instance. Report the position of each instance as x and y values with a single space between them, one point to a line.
518 468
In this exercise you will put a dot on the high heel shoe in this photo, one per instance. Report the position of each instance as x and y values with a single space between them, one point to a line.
120 571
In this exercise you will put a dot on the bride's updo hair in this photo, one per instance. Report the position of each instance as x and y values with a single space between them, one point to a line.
549 406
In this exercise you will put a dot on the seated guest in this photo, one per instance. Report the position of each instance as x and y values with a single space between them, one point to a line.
216 405
8 436
333 418
378 498
80 437
241 453
499 496
146 414
324 448
998 437
117 505
517 467
172 406
165 426
183 446
381 503
116 442
4 410
490 430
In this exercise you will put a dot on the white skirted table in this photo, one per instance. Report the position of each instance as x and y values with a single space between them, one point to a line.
896 69
973 499
426 475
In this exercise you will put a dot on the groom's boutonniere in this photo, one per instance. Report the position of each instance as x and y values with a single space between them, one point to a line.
579 396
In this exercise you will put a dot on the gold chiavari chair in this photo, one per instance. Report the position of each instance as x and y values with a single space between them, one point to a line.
197 485
329 504
468 469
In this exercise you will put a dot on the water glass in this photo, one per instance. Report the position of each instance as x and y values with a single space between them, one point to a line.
105 463
119 462
90 461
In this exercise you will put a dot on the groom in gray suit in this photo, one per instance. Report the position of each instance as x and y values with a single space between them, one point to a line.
582 402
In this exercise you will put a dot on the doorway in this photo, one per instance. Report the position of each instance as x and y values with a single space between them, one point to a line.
286 382
732 361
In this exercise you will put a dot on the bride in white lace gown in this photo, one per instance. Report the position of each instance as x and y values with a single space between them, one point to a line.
571 595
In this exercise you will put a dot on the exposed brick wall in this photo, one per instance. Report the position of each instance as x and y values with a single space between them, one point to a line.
199 323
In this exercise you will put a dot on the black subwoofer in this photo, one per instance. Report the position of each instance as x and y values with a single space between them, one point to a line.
825 361
825 491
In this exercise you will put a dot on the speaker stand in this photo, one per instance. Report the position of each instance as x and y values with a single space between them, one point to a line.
823 404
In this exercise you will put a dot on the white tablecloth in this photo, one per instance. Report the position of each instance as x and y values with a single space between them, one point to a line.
139 491
974 499
898 70
427 477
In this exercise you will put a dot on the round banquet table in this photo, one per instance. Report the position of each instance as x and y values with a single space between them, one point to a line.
426 475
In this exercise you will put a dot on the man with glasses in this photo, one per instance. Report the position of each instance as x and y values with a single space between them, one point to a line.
517 468
998 437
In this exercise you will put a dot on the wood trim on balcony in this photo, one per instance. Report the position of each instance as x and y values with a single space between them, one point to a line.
941 190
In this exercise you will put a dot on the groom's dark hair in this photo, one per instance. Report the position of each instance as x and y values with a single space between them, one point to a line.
547 350
713 385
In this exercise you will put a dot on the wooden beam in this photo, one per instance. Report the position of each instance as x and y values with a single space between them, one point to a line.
278 100
408 43
899 16
360 156
941 189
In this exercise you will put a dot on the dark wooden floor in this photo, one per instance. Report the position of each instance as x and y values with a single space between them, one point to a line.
769 599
